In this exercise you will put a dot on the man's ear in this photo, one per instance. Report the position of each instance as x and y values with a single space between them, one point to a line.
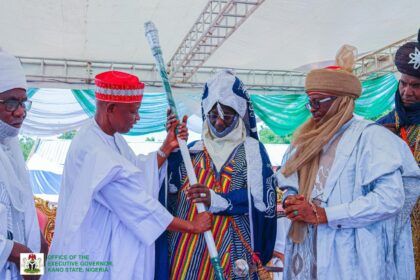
110 107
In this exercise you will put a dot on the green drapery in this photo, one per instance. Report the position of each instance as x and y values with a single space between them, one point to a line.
377 96
284 112
152 110
31 92
86 99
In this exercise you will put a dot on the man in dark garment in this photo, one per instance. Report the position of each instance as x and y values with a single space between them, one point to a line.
404 120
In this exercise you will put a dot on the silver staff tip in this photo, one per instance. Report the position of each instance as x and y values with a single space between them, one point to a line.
149 26
151 34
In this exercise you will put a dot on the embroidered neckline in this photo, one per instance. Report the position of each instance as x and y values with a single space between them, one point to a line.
404 133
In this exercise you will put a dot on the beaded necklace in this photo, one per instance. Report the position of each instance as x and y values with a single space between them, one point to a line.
404 133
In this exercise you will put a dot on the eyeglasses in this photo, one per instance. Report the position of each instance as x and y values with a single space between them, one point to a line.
11 105
228 118
315 104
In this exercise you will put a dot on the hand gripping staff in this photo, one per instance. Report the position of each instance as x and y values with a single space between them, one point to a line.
151 34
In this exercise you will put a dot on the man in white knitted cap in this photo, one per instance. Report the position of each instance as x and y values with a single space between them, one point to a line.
19 229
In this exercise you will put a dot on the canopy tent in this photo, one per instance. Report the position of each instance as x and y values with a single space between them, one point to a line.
280 34
87 36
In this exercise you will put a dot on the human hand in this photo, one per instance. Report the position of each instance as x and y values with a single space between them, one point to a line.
183 129
199 193
299 209
14 256
170 119
170 123
202 222
171 141
293 199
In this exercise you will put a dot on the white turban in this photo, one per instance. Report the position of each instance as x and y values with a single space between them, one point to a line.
221 88
11 73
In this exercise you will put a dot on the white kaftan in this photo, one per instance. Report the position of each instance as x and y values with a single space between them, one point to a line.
18 220
107 209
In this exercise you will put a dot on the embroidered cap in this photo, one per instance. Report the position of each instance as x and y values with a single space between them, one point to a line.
120 87
407 58
337 80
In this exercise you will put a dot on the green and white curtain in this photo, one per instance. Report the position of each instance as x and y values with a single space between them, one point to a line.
282 112
152 110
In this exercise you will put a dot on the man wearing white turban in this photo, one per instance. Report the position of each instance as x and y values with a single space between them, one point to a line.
235 182
19 229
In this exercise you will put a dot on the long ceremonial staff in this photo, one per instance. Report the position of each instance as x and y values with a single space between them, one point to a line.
153 39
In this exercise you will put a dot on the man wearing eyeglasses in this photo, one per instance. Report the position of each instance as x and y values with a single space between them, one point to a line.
19 229
350 186
404 120
235 182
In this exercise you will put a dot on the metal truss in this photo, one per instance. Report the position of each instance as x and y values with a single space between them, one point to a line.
219 19
379 62
64 73
256 79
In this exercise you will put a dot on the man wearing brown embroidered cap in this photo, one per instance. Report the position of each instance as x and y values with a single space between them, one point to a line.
346 194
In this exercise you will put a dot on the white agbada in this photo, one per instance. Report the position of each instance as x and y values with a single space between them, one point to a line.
107 208
18 218
17 208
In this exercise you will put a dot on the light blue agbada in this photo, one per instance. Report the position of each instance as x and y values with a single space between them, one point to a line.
371 188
